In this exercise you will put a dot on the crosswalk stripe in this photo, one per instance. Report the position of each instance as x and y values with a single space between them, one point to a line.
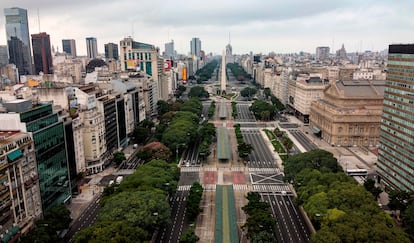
271 188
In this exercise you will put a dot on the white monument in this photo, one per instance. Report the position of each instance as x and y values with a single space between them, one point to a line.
223 82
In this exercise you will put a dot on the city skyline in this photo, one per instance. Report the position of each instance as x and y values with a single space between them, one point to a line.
275 26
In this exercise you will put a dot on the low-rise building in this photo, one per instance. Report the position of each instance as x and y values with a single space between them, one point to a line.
349 114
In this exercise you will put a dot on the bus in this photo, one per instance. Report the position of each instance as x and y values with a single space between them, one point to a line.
357 172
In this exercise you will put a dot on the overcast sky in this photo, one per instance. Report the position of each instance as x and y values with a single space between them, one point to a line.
261 26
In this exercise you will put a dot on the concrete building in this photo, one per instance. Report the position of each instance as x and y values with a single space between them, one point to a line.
18 41
4 56
169 52
69 69
49 139
396 151
349 114
322 53
195 47
91 47
69 47
42 53
19 184
111 51
304 90
10 72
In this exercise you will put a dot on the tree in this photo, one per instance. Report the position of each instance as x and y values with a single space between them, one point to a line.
244 149
199 92
369 185
162 107
154 150
90 67
287 143
408 219
259 106
189 236
194 199
140 134
398 200
277 132
119 157
267 92
248 92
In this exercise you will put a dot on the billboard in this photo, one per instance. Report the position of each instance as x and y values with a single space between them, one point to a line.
184 74
133 64
167 65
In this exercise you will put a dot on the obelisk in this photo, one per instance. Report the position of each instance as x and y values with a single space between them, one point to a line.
223 82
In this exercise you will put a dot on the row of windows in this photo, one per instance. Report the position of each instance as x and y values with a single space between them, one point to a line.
400 70
400 77
408 117
402 176
143 56
398 55
401 63
390 97
403 148
395 135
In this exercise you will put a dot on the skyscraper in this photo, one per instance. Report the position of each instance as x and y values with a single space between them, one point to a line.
111 51
69 46
322 53
396 152
91 47
42 54
195 46
4 56
17 32
169 52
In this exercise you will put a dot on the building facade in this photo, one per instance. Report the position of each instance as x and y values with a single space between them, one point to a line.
42 53
322 53
19 184
4 56
396 151
18 41
169 52
349 114
91 47
111 51
69 46
195 47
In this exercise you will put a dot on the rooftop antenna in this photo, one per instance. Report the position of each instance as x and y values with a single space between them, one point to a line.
132 30
38 19
229 38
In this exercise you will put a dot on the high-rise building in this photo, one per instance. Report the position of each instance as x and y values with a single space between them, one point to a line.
111 51
42 53
195 46
91 47
19 184
69 46
322 53
18 41
169 52
4 56
396 151
48 134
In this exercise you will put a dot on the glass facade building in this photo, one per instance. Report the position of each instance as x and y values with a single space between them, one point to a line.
18 41
396 152
49 139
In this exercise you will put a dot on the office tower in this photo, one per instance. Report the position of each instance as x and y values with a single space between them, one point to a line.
4 56
396 152
17 32
42 53
91 47
169 52
69 46
111 51
19 184
322 53
195 46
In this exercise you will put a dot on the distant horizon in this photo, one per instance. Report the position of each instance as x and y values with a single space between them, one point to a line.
273 26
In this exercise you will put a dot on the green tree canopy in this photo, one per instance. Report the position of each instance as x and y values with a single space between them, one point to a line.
199 92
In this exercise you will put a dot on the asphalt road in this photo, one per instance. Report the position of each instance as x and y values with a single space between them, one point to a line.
179 223
290 223
306 143
244 114
86 219
261 156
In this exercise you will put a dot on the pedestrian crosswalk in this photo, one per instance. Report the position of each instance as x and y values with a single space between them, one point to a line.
240 187
209 187
237 168
271 188
190 169
184 188
209 168
265 170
